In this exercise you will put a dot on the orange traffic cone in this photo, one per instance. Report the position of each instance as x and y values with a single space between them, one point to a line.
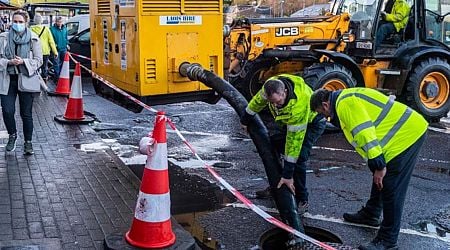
63 86
74 110
151 227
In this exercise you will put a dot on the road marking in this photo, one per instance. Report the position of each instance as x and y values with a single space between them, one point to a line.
340 221
440 130
334 149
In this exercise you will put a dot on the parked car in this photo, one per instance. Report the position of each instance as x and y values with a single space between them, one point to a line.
76 24
81 44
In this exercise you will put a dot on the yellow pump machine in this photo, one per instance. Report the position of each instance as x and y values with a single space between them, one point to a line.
138 45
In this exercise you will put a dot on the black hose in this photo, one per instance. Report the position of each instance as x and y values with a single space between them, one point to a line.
284 199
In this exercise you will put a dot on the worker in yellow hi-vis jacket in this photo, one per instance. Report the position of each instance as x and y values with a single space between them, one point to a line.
287 97
389 135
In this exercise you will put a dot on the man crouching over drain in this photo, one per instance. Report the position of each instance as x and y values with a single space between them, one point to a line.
389 135
288 98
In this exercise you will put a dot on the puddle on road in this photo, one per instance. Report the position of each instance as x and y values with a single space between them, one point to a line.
191 196
190 223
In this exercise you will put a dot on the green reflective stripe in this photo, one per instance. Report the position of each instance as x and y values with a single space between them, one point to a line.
366 98
354 144
361 127
249 111
370 145
290 159
396 127
295 128
385 111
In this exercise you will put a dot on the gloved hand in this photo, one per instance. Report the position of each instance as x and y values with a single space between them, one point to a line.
246 118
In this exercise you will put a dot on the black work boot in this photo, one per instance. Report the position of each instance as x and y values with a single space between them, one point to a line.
263 194
295 242
303 207
378 244
362 217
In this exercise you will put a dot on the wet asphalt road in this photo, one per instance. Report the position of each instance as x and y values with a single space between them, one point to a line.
338 180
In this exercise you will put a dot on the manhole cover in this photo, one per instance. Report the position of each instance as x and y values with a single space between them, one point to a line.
276 238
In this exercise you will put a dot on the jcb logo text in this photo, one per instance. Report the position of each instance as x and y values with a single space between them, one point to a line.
286 31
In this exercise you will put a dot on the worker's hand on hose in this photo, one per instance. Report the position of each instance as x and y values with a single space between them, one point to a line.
246 118
288 182
378 176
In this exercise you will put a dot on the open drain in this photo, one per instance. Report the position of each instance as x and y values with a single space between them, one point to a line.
275 239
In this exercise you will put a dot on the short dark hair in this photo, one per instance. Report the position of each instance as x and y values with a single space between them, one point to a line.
319 96
273 86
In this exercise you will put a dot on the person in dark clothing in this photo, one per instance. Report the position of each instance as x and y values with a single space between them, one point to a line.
59 32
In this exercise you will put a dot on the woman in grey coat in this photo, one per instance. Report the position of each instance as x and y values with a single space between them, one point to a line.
20 56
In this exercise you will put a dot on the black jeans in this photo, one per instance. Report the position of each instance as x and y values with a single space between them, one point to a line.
391 198
9 109
383 31
313 132
44 67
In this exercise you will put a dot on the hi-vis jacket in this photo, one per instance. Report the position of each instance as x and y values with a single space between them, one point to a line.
399 14
296 114
375 124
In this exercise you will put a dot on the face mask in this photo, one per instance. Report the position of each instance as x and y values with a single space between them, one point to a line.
18 27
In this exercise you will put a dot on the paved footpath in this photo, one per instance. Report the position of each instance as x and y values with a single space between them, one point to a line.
61 197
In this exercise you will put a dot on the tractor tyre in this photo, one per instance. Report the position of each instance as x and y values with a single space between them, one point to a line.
329 76
251 79
428 88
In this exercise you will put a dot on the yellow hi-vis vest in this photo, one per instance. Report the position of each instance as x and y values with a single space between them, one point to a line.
296 114
376 124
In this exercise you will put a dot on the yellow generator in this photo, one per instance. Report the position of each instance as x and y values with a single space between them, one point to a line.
139 45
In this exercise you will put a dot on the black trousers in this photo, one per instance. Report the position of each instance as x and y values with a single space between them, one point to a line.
391 198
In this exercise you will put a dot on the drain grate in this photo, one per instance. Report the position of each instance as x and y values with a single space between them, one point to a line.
310 246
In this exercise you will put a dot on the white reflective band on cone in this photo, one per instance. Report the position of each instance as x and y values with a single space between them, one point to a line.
76 88
65 71
152 207
158 160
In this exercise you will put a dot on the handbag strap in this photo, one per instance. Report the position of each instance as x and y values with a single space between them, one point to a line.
42 31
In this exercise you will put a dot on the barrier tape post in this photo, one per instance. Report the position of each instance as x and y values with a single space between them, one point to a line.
269 218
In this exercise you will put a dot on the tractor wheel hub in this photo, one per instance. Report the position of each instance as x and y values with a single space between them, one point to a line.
431 89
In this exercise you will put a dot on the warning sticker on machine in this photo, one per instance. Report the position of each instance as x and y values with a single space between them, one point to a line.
180 20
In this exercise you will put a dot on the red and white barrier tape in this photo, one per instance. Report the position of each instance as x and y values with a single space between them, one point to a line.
269 218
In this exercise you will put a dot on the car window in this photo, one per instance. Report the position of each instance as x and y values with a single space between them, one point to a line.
86 37
72 28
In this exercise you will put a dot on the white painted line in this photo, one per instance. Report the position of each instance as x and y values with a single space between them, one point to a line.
434 160
333 149
440 130
340 221
324 169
